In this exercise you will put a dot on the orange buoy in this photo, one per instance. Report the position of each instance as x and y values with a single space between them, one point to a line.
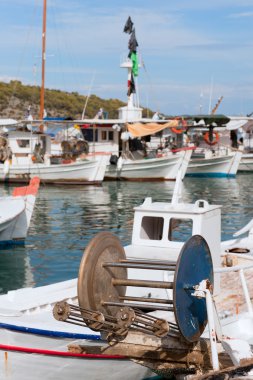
182 129
215 138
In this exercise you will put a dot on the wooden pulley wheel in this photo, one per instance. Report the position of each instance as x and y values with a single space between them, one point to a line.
95 280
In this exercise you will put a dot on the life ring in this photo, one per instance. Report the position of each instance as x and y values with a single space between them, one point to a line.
215 138
181 130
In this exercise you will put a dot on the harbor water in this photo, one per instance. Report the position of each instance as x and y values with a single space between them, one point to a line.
66 218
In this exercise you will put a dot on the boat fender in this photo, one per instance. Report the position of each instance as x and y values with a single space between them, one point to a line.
215 138
125 136
114 159
6 166
120 163
182 129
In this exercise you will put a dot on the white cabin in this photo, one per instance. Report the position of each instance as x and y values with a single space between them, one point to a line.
23 145
161 229
102 138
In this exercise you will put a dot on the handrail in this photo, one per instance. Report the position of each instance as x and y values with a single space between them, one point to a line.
240 269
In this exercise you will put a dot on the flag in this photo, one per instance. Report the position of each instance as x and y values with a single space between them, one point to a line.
132 44
135 67
128 28
131 86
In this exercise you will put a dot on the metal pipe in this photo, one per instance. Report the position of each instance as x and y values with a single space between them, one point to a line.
235 268
160 262
144 299
138 266
246 292
142 283
140 306
211 327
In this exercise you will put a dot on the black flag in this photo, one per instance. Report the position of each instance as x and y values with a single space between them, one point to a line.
132 44
128 28
131 86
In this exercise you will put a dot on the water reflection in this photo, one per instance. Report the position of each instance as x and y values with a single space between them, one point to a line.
66 218
16 271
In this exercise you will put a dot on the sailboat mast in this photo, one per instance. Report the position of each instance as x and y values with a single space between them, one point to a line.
43 63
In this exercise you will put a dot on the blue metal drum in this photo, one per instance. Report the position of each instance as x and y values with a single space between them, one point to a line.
193 266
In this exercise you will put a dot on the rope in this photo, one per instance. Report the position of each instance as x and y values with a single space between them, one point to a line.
57 334
58 353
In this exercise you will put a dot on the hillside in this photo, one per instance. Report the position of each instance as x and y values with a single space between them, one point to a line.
15 98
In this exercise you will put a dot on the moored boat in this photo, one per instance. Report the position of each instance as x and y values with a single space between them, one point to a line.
214 163
16 212
160 230
29 154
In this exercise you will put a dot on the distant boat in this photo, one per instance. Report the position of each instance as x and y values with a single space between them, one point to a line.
133 166
16 212
26 154
217 162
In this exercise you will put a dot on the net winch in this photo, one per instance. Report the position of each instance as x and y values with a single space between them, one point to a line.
103 280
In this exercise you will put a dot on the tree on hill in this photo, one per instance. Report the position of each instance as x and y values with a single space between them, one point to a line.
15 98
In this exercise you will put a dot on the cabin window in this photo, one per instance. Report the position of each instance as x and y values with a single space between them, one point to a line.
107 135
23 143
103 135
90 134
152 228
180 229
110 136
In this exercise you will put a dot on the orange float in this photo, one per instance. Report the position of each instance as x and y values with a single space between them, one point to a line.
215 138
181 130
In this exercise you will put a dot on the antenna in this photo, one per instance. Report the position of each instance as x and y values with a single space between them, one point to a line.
211 95
201 100
88 96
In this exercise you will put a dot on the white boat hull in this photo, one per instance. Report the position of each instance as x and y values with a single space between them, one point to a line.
246 164
159 168
216 166
10 210
28 366
32 341
16 212
87 171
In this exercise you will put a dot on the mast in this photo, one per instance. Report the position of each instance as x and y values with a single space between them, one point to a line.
43 63
132 111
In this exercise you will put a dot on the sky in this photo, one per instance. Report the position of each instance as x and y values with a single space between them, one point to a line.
192 51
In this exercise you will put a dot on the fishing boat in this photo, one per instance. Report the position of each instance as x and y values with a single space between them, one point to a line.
160 230
220 162
16 212
26 154
212 157
133 159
